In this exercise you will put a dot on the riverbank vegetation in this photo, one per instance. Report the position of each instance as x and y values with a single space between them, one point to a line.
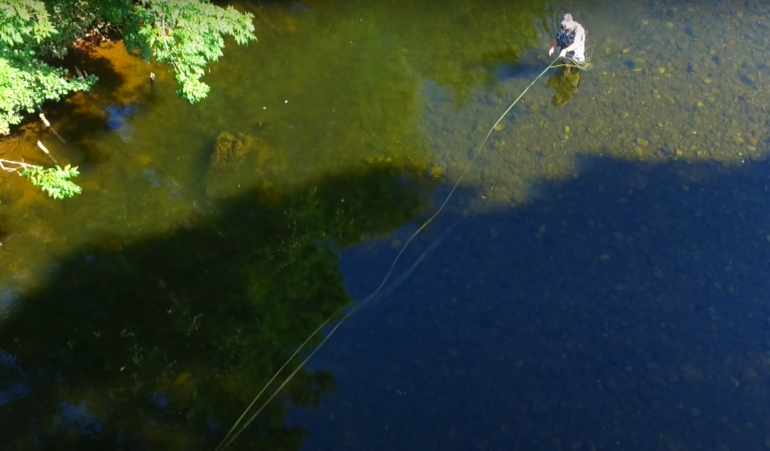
36 35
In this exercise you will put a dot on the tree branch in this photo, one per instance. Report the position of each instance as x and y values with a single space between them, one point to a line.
17 168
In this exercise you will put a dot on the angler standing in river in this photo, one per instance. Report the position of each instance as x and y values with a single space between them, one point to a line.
570 40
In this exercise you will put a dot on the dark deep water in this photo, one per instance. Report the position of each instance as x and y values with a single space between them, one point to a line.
599 281
626 309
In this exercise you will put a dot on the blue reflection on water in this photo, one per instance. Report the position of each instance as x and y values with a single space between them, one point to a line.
118 120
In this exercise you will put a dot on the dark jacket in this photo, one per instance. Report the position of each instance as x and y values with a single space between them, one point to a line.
564 38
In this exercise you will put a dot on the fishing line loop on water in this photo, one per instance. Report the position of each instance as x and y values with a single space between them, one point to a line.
232 434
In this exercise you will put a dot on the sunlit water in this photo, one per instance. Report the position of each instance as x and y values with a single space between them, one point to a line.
603 285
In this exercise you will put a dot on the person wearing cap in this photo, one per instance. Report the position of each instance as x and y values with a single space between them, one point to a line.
570 40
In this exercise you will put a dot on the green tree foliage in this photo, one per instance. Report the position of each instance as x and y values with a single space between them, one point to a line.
54 181
186 34
26 81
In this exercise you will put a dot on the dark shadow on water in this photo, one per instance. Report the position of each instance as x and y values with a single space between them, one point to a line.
628 306
161 343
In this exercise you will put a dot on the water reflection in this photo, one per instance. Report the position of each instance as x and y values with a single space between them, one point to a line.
565 81
117 120
159 343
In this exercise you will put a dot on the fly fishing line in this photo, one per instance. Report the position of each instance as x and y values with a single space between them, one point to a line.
390 289
232 434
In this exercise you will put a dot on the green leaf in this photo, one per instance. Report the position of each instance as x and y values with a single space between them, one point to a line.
186 34
55 181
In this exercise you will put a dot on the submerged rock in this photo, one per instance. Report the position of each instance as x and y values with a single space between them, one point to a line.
237 163
228 150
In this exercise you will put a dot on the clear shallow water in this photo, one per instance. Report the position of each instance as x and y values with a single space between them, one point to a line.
599 289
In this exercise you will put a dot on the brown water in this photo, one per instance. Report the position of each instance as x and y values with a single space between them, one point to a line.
355 111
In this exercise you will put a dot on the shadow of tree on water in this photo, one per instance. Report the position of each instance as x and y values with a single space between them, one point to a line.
161 343
626 307
628 304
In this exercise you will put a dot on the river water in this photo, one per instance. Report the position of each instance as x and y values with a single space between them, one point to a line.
598 280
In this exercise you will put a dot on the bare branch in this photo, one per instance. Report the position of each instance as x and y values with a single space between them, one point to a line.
14 166
43 148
